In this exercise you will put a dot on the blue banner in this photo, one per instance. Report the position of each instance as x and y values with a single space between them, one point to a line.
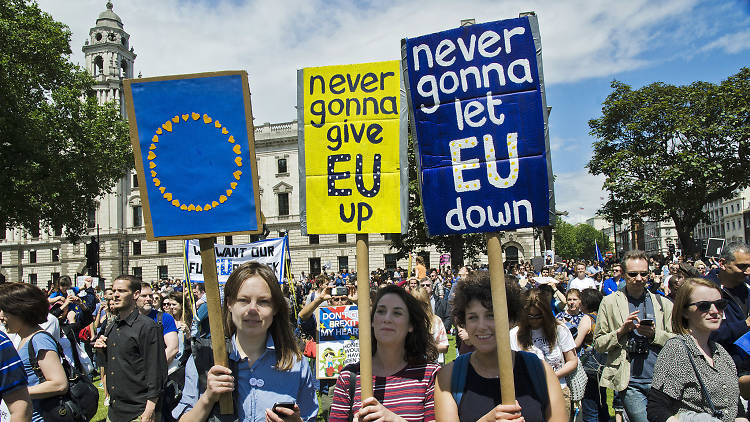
477 108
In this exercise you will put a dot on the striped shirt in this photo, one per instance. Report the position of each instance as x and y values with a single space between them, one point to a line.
408 393
12 374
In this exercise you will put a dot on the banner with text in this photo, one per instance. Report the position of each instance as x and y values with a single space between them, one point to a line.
353 174
338 339
477 102
271 252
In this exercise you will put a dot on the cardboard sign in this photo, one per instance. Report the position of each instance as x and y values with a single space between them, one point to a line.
338 340
194 150
479 114
272 252
714 246
353 175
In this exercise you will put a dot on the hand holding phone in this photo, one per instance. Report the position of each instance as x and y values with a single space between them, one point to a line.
285 404
649 322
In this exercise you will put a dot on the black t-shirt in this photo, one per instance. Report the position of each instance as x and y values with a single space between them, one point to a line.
483 394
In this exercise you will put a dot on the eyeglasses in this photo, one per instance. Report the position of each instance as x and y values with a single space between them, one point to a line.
634 274
705 305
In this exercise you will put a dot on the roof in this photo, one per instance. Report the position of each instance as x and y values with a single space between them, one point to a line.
109 18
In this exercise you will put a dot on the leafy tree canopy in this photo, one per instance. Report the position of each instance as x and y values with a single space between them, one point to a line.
666 150
577 241
59 150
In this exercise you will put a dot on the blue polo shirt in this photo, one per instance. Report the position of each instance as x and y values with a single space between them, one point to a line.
12 373
167 322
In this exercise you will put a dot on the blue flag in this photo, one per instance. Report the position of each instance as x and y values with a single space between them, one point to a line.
598 252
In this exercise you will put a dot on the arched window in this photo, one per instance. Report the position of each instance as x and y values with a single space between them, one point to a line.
98 65
511 254
124 68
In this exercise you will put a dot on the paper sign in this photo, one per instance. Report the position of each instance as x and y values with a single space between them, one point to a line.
478 109
352 173
194 150
272 252
338 340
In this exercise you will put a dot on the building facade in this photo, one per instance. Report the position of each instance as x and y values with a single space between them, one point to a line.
118 222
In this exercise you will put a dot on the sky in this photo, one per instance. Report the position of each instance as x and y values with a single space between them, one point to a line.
586 44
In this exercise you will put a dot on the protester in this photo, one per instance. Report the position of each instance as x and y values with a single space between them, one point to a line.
594 402
22 308
165 321
537 391
550 340
632 326
436 328
403 350
13 389
572 314
266 365
691 361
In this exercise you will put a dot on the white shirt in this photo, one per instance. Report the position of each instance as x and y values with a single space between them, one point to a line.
540 347
579 284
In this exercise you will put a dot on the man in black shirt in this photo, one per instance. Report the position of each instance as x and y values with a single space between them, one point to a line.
136 363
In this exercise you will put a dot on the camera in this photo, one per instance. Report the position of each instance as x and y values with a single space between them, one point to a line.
340 291
637 345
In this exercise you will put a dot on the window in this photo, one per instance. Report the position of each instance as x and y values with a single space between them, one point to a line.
135 180
387 236
282 233
1 258
55 255
227 240
344 263
162 271
32 257
314 239
57 231
283 198
314 266
281 165
162 246
55 277
137 272
91 219
137 216
390 261
32 279
35 232
254 238
137 247
342 238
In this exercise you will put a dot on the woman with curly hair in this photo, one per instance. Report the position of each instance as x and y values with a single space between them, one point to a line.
403 375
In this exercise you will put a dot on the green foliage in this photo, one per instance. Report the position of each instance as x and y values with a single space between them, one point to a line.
666 150
59 150
461 247
577 241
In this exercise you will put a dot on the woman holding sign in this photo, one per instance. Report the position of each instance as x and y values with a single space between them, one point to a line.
468 389
403 377
267 376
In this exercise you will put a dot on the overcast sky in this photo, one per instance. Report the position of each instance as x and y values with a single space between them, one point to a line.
586 44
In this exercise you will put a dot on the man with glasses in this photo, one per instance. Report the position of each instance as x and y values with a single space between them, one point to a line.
632 326
733 276
615 282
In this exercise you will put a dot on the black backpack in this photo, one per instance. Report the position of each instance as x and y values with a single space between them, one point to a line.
79 403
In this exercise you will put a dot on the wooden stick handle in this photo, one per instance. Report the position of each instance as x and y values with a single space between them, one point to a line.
215 315
363 307
502 327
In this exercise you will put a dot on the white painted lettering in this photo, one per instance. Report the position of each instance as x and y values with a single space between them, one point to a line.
486 41
442 51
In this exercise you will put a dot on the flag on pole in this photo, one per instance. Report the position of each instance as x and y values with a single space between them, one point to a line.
598 252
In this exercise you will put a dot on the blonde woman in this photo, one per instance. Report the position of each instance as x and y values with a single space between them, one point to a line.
438 328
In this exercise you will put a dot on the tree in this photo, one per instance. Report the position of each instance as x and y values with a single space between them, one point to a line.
461 246
59 150
666 150
578 241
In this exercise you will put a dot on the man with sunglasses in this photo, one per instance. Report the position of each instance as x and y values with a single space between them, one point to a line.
613 283
632 326
733 276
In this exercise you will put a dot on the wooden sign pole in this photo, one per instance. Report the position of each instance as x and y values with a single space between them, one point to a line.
215 315
502 327
363 307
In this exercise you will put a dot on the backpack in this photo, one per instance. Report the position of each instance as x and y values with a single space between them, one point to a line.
203 357
79 403
534 367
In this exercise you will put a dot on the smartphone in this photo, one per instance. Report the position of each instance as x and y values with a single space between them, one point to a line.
340 291
649 322
286 404
71 292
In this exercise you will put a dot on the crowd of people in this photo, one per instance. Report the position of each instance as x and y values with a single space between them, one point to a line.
666 336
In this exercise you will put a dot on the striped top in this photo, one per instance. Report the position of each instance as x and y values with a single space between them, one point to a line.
409 393
12 374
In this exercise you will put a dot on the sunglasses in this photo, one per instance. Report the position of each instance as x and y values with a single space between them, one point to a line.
537 316
742 267
634 274
705 305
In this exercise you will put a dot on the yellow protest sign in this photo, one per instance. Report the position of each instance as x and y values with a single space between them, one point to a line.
351 142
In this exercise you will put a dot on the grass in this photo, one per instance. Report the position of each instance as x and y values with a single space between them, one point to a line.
101 413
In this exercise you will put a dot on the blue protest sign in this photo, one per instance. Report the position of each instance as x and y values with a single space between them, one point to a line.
479 114
194 150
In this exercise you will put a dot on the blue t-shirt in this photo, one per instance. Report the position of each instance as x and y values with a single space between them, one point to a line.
41 342
167 322
12 372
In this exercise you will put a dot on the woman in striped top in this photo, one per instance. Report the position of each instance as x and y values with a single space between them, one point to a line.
403 378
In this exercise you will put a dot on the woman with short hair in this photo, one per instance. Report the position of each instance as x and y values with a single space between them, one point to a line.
403 350
691 358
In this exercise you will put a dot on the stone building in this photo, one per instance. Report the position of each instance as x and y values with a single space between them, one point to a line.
118 222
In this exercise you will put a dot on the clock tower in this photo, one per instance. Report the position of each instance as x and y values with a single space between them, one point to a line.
109 57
